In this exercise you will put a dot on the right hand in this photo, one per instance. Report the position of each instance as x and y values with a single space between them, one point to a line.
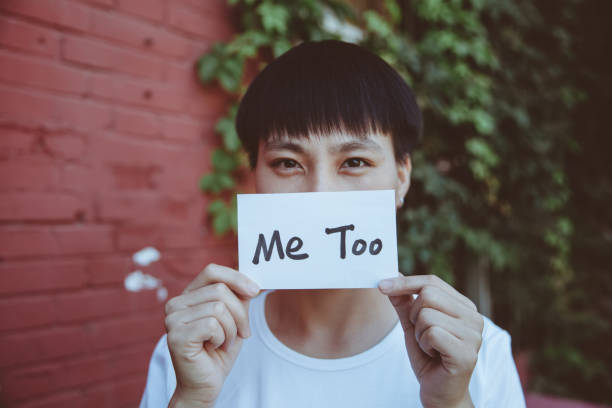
206 326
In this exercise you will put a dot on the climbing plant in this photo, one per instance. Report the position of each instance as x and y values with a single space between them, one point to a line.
490 187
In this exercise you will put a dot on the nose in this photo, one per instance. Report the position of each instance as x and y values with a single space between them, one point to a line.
321 180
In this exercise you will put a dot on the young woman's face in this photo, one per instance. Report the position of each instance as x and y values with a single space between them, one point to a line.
336 162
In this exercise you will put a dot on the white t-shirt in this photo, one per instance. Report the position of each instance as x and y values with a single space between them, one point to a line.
269 374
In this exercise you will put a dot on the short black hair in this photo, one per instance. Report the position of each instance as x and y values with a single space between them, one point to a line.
320 87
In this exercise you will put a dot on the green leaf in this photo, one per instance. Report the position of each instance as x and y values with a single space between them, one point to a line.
223 161
227 128
231 140
216 207
222 222
280 47
377 24
207 67
234 66
484 122
217 182
228 81
394 10
482 150
274 17
226 181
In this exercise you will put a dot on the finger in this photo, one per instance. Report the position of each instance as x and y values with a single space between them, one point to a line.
434 297
213 273
214 292
403 285
454 354
431 317
402 304
215 309
197 332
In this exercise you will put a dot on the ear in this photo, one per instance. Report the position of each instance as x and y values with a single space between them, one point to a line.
404 168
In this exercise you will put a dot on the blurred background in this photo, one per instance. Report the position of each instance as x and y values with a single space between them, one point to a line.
117 134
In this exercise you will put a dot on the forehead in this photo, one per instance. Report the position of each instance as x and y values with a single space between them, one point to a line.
333 141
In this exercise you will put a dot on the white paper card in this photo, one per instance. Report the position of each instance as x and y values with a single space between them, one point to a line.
294 240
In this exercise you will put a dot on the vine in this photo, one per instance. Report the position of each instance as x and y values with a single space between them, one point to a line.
488 185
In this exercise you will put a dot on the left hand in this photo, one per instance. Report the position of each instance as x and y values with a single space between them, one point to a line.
443 333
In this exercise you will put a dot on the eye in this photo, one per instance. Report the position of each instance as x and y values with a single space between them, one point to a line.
285 164
355 162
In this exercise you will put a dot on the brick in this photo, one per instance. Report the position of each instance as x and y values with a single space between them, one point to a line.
19 313
179 211
144 208
57 12
27 241
110 270
43 379
77 178
199 24
33 206
191 262
35 109
218 8
182 74
128 177
93 304
149 9
136 237
84 239
110 148
136 208
182 179
190 236
65 146
61 400
185 129
28 37
207 102
42 74
15 143
99 55
149 95
45 344
144 36
124 392
137 123
117 333
102 3
33 276
28 174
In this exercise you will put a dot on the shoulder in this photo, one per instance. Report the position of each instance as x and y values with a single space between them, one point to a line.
495 380
161 355
493 333
496 347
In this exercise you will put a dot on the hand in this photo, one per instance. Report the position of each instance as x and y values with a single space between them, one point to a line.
206 326
443 333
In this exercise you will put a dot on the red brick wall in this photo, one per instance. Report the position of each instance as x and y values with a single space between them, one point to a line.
104 133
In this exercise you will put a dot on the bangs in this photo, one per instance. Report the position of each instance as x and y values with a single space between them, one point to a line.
320 88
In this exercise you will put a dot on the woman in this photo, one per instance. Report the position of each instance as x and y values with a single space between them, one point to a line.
329 116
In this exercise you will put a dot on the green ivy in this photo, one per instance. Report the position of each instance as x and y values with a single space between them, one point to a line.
488 182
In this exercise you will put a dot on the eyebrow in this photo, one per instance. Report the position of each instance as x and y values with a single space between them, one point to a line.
366 144
282 145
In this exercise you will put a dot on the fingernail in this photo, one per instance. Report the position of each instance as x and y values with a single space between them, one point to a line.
385 285
252 289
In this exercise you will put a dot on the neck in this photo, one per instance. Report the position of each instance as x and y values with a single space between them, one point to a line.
330 323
